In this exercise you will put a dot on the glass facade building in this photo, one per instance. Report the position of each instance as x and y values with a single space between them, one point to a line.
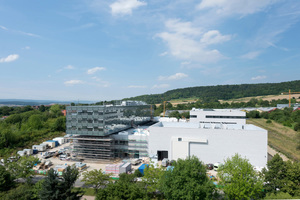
94 129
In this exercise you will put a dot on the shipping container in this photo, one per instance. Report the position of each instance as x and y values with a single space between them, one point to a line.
142 168
125 168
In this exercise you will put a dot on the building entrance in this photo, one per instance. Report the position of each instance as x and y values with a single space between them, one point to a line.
162 154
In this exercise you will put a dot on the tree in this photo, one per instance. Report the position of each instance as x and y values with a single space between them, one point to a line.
51 189
125 188
55 110
187 180
5 179
292 181
69 177
275 175
59 124
239 179
152 175
96 178
55 189
22 168
34 122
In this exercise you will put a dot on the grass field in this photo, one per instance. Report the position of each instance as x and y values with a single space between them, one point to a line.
267 97
281 138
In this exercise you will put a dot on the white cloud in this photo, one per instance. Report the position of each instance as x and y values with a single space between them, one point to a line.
69 67
9 58
26 48
176 26
258 78
160 86
164 53
94 70
176 76
19 32
243 7
214 37
185 63
73 82
251 55
137 86
185 43
125 7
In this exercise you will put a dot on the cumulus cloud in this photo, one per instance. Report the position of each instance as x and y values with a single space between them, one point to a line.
176 76
137 86
251 55
160 86
243 7
189 43
73 82
125 7
214 37
9 58
94 70
258 78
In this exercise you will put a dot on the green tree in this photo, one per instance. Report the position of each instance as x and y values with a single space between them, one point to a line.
22 167
55 110
239 179
59 124
275 175
125 188
187 180
292 180
152 175
96 178
55 189
50 189
34 122
69 177
5 179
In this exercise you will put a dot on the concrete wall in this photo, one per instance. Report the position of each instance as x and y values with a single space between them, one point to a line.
221 143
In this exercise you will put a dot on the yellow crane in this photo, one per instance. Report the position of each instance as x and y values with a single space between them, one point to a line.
290 96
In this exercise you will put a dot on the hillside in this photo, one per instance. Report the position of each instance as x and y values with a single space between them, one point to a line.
221 92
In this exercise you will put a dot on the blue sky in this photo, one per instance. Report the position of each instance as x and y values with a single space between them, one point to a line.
103 50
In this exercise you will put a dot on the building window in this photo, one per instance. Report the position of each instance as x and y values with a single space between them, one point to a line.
193 116
179 139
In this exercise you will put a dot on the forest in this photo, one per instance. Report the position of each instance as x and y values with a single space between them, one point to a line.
25 126
221 92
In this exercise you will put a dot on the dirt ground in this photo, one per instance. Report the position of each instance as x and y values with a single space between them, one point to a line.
267 97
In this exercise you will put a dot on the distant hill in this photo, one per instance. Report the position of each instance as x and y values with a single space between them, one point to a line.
31 102
221 92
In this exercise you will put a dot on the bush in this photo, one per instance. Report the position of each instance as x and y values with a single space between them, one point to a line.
269 121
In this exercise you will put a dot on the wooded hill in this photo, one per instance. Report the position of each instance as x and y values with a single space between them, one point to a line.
221 92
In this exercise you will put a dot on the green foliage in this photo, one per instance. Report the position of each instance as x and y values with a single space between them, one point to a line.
152 175
187 180
6 180
22 167
275 175
24 129
269 121
55 110
96 178
253 114
54 189
125 188
292 180
239 179
22 192
279 195
223 92
59 124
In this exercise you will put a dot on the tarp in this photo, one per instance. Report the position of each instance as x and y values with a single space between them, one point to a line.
142 167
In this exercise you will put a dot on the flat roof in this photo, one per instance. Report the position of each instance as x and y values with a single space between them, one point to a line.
207 125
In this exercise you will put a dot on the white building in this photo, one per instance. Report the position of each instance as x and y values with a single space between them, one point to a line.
210 140
226 116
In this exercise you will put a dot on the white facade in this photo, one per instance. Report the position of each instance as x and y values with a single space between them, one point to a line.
211 143
226 116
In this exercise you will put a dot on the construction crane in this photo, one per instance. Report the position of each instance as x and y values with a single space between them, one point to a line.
290 96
